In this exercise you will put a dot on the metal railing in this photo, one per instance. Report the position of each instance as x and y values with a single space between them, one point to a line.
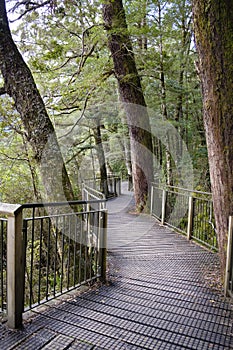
113 182
190 212
51 248
114 185
90 194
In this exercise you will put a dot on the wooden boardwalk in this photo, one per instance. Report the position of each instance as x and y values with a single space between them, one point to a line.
158 297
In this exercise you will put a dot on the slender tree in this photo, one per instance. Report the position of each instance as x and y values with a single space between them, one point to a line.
101 157
131 95
213 25
20 86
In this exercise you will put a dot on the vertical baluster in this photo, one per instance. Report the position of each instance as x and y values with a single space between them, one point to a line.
80 246
103 245
48 259
31 301
164 200
190 217
76 218
68 253
40 259
62 253
55 257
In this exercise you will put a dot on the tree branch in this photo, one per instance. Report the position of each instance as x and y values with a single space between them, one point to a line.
83 141
30 6
2 91
5 155
82 114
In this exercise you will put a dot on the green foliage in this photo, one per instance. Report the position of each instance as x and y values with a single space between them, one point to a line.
66 48
15 173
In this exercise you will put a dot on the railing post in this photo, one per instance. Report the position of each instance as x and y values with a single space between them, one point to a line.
164 199
103 245
229 261
190 218
130 182
151 199
115 186
15 265
119 185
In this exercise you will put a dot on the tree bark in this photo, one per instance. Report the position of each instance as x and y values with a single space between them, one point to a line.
213 25
131 95
20 85
101 158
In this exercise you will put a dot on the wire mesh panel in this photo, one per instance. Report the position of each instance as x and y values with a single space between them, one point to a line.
3 259
188 211
156 201
204 223
177 210
62 251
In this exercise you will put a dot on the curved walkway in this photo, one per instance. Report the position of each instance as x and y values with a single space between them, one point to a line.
158 296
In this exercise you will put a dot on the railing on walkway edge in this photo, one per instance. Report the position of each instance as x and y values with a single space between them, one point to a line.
49 249
113 181
190 212
89 193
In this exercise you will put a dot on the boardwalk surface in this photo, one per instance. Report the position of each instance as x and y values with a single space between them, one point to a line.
157 297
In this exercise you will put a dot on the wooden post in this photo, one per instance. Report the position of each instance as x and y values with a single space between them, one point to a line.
164 199
190 218
229 263
103 245
15 264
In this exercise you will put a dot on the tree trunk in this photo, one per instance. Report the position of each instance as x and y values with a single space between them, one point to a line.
101 158
124 139
128 163
131 95
161 64
213 25
163 94
19 84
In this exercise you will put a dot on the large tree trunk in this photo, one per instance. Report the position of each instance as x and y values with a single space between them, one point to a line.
20 85
131 95
213 25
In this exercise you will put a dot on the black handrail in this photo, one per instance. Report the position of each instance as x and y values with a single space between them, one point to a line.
59 204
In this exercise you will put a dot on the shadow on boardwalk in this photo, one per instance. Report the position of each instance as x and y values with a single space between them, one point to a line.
157 297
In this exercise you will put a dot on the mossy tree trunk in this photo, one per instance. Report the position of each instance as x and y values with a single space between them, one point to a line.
20 85
213 25
131 95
